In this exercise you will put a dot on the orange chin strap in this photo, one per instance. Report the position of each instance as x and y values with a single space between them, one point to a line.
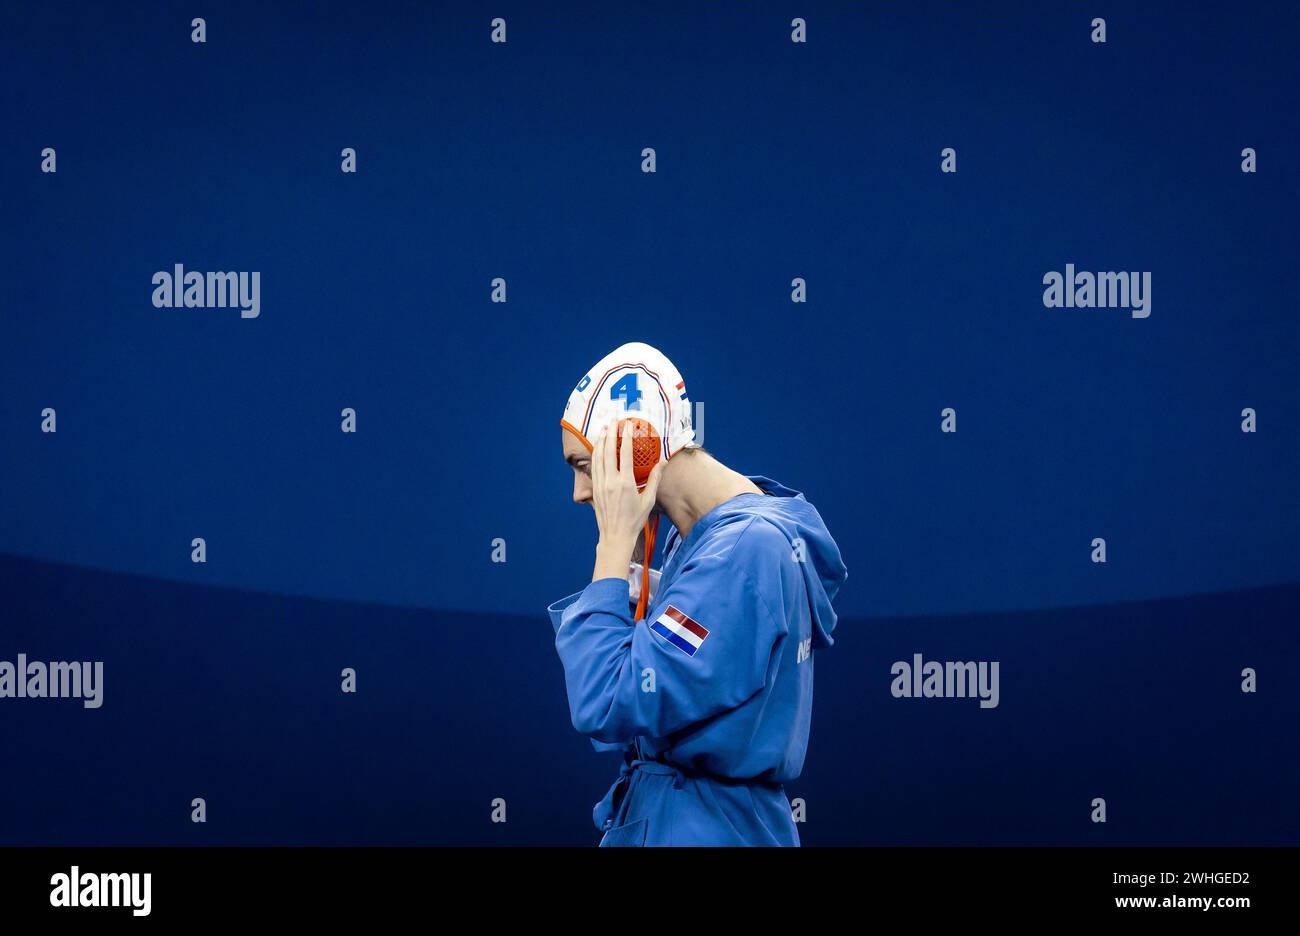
651 529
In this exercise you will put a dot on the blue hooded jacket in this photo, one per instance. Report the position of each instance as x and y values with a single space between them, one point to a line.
711 695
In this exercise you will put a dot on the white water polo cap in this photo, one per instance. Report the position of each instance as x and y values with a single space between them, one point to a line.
632 381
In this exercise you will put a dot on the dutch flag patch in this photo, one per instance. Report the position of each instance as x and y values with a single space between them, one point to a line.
680 631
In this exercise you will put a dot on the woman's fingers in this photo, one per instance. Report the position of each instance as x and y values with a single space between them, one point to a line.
609 452
628 471
621 509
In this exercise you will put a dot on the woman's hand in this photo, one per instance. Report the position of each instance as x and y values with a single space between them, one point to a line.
621 510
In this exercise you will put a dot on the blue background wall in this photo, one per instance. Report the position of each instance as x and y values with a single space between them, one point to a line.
522 160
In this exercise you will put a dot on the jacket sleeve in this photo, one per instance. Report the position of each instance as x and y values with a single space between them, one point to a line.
627 680
556 609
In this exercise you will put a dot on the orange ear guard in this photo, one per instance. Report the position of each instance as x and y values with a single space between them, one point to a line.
645 449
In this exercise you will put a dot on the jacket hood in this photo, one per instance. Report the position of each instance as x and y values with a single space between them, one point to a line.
789 511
